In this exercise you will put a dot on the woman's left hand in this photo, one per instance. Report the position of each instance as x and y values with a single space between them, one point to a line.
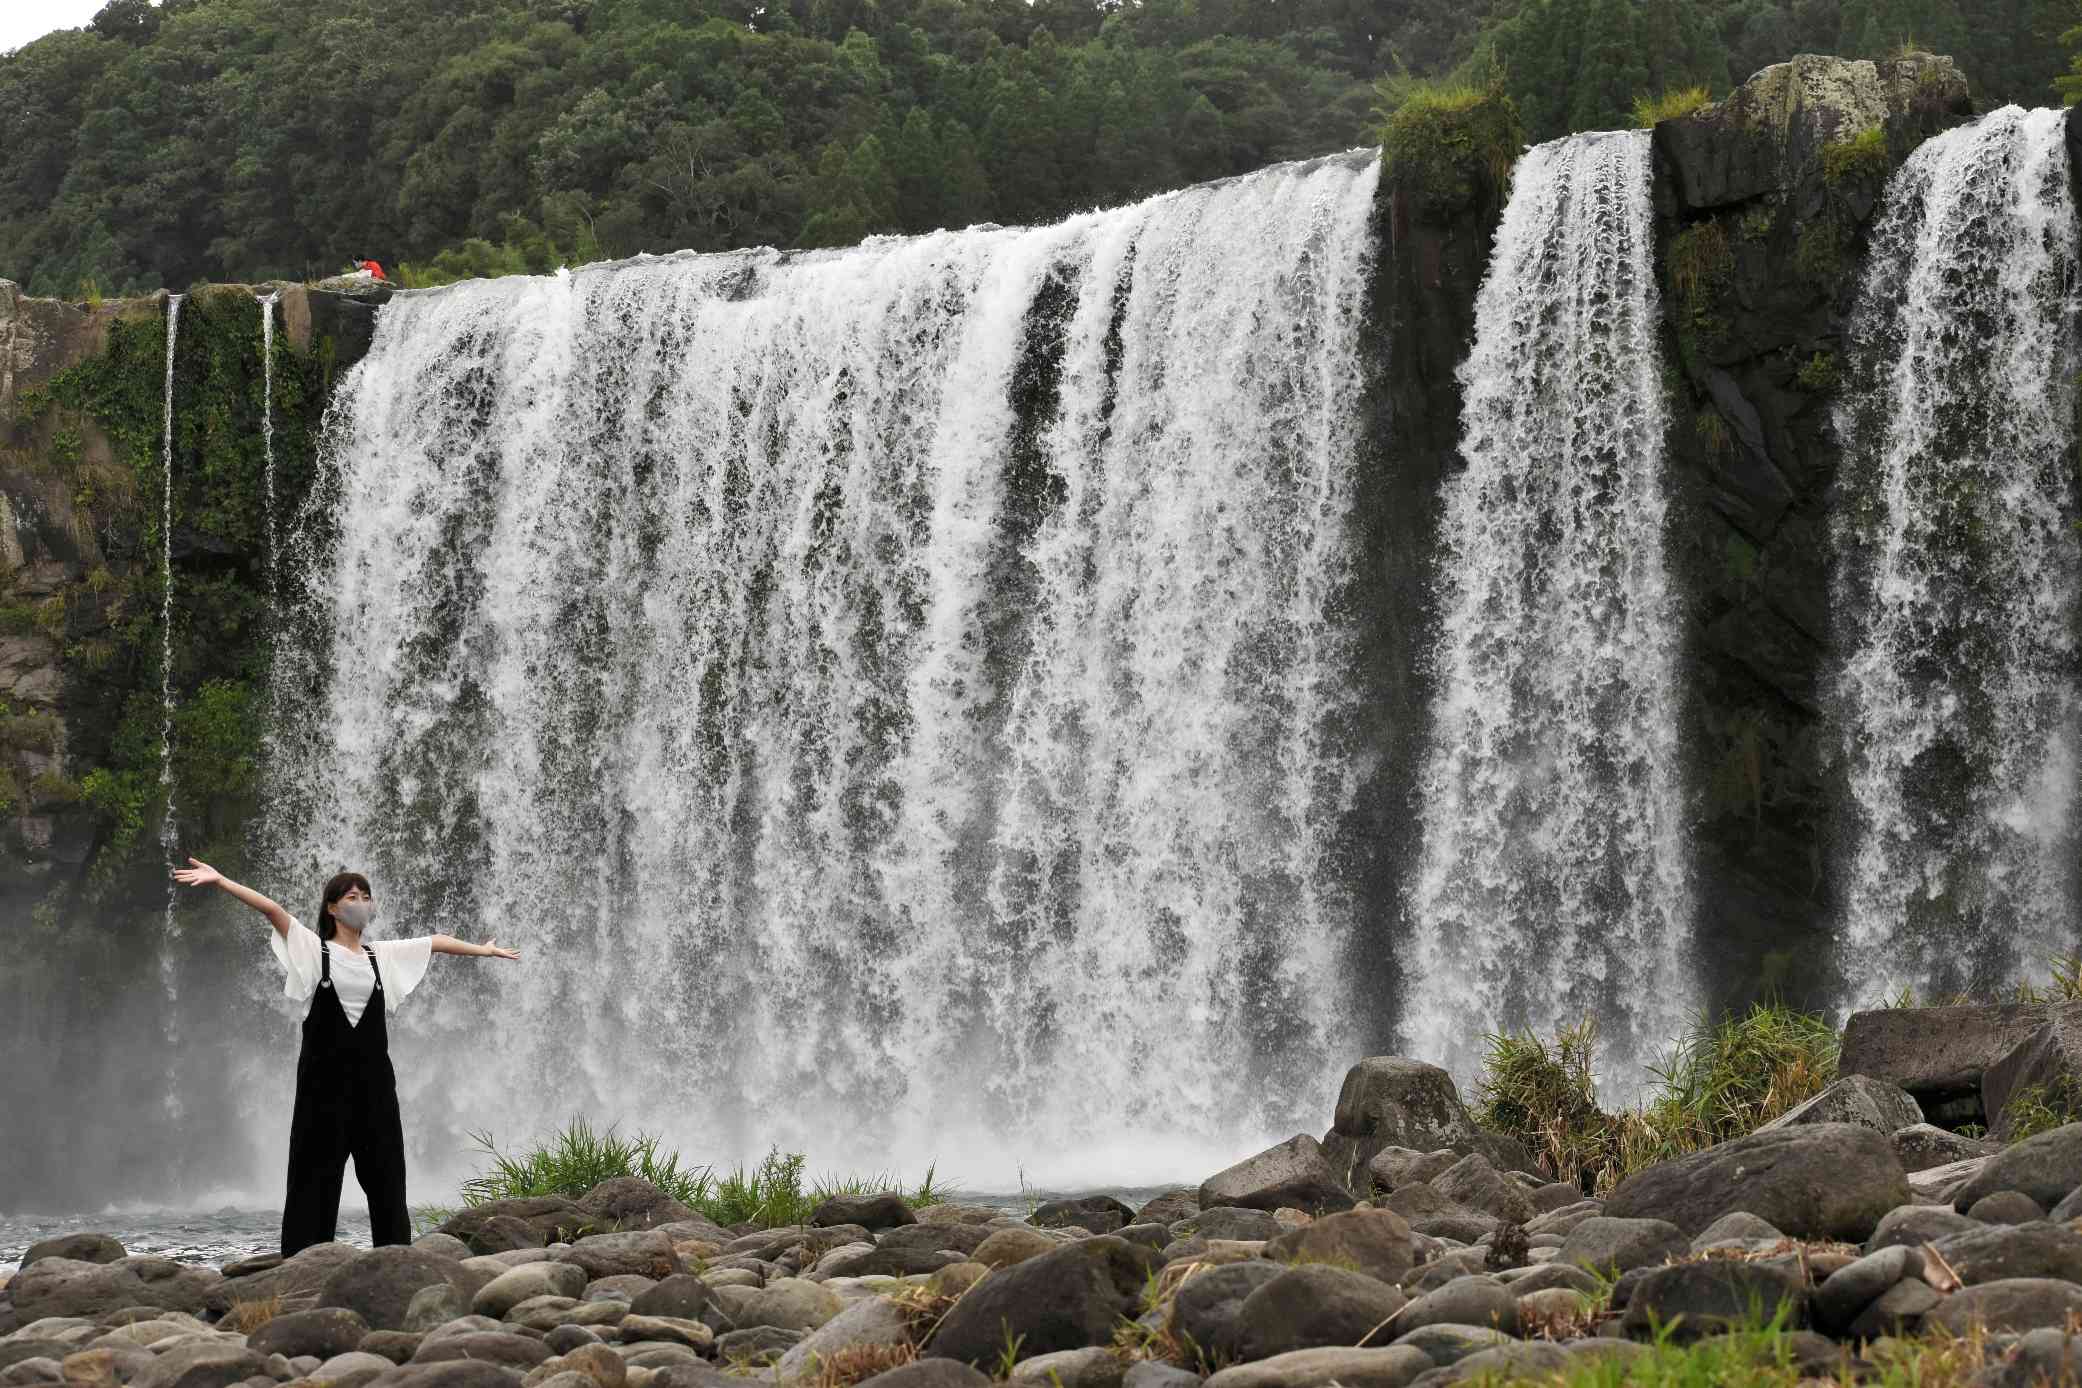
494 950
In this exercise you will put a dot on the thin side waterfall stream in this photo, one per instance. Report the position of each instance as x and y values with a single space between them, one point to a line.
894 693
1958 570
168 839
267 443
1553 883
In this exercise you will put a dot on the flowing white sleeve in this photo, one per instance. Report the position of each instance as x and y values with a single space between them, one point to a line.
404 963
298 952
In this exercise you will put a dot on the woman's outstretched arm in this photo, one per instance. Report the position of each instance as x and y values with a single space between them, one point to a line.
490 949
201 874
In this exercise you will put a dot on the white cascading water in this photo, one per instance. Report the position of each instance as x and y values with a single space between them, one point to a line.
1958 569
168 838
890 693
1553 880
267 444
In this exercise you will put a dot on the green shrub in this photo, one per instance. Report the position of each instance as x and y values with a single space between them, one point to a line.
1727 1078
1819 375
1452 144
772 1194
1674 102
1862 158
1546 1097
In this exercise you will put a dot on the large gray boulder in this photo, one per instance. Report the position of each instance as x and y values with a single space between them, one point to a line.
332 1331
1813 1180
2024 1303
1065 1299
1392 1101
510 1288
2046 1168
1757 140
1612 1245
2005 1251
1205 1310
883 1211
1375 1242
67 1287
1295 1173
1859 1099
298 1279
1473 1182
648 1252
546 1219
1313 1306
203 1364
1922 1146
2046 1067
1372 1367
1693 1300
1937 1054
870 1323
81 1248
631 1202
380 1283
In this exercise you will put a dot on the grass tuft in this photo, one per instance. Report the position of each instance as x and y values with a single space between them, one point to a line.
1674 102
1452 143
248 1316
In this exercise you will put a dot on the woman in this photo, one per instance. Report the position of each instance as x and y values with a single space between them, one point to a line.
346 1091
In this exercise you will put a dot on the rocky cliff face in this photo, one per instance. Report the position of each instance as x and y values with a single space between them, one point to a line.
1765 200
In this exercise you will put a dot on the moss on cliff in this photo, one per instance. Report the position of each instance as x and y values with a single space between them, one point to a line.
1452 145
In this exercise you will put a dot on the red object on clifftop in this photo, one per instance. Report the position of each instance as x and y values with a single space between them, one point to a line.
374 269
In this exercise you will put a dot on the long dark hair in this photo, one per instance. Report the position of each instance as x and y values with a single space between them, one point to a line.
341 884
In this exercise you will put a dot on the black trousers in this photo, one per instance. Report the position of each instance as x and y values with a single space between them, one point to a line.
346 1106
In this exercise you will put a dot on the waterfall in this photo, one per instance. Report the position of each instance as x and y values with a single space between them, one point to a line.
1957 568
1552 882
169 841
267 444
894 694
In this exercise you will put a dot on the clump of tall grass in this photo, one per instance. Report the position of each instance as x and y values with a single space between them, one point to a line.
1452 141
771 1194
1724 1079
1672 103
2064 984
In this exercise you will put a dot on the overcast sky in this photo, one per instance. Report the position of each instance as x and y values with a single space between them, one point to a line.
23 20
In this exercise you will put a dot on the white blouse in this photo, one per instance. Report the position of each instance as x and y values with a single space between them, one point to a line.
404 964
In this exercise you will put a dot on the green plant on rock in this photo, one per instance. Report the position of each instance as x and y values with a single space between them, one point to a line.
1701 267
1673 103
2040 1108
1727 1078
1818 253
1451 144
1713 433
1546 1096
1758 221
1819 375
575 1159
1863 157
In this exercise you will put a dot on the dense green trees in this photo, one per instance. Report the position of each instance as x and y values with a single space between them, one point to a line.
240 139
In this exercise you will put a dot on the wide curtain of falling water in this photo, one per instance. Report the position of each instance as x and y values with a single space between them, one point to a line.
1957 572
893 696
1553 881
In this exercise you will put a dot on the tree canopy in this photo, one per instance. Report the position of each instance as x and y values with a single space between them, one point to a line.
244 139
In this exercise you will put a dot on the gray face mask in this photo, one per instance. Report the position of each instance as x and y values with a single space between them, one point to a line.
356 915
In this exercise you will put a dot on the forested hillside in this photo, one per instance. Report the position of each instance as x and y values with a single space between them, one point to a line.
243 139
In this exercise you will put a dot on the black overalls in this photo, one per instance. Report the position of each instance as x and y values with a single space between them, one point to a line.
346 1105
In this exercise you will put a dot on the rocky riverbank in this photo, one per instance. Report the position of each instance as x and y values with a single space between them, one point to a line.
1406 1247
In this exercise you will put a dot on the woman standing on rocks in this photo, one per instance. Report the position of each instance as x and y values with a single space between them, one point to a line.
346 1091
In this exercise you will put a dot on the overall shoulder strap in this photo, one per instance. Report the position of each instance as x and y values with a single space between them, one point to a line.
325 964
370 951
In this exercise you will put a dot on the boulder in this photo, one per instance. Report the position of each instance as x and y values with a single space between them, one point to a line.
761 1344
1170 1207
623 1287
883 1211
1918 1224
1230 1222
1477 1301
1449 1344
1094 1367
2038 1357
1899 1310
325 1332
1859 1099
54 1286
2006 1252
931 1373
380 1283
1737 1229
510 1288
203 1364
1392 1101
671 1330
1937 1054
682 1294
630 1202
2006 1207
650 1252
548 1219
871 1323
1295 1173
1536 1361
1312 1306
1009 1246
1553 1275
888 1262
455 1373
790 1304
1381 1367
1611 1244
2025 1303
80 1248
351 1370
1812 1180
1924 1145
1375 1242
1155 1373
1850 1289
447 1245
1693 1300
521 1352
1204 1312
1098 1214
292 1279
437 1305
2046 1066
2046 1168
1473 1182
938 1238
1064 1299
398 1346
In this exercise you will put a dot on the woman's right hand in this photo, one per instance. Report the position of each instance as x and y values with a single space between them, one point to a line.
197 874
